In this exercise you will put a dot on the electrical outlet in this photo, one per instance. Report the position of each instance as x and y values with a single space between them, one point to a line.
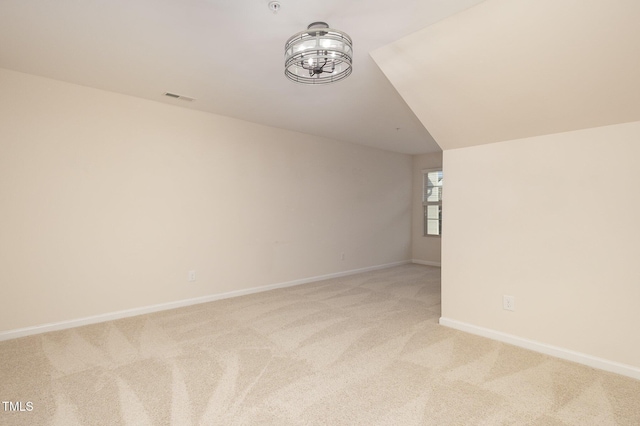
191 276
508 303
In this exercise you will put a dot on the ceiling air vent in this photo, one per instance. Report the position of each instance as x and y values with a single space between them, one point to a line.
181 97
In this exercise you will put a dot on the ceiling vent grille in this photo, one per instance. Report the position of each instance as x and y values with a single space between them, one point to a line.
181 97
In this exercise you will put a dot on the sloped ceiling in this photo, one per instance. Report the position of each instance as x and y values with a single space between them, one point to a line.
229 56
508 69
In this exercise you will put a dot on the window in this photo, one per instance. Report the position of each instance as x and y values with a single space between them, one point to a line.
432 201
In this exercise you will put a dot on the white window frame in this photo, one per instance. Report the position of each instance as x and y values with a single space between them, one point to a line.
428 206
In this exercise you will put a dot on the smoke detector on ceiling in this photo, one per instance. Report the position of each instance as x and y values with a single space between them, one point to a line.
274 6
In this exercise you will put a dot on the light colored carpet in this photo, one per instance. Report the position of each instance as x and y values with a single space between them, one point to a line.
359 350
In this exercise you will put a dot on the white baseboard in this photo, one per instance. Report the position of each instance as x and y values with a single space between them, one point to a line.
425 262
569 355
62 325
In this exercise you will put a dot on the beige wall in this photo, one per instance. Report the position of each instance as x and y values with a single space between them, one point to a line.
423 249
554 221
490 74
106 201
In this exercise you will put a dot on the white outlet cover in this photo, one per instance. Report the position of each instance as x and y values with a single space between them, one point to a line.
509 303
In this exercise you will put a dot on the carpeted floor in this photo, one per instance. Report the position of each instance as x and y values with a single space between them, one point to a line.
360 350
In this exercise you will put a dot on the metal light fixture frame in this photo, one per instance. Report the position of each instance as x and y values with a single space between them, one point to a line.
319 55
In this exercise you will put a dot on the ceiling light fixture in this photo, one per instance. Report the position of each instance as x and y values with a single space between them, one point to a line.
319 55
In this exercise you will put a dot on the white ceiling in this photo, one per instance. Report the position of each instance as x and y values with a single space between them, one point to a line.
228 54
507 69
